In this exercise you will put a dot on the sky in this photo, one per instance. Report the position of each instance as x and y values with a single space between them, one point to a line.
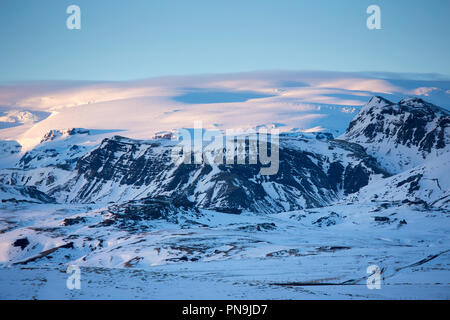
125 40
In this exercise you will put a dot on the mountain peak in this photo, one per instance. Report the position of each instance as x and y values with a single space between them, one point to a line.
54 133
402 135
378 101
412 101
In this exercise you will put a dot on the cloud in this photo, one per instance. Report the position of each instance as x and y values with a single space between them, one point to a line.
361 84
424 91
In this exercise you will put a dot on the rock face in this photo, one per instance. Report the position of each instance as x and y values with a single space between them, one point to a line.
401 135
311 173
133 214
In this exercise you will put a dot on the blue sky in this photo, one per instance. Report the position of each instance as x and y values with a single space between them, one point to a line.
122 40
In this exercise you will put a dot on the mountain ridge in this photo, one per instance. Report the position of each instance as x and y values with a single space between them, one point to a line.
314 169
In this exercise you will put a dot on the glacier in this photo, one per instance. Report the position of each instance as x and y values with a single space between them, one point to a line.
371 189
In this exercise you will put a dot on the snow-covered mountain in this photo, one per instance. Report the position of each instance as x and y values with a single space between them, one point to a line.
409 139
312 172
379 194
61 148
401 135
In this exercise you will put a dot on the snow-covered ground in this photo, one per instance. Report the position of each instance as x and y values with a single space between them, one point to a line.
318 253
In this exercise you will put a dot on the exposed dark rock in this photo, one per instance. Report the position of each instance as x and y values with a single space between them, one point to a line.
31 193
73 221
22 243
129 215
382 219
259 227
332 219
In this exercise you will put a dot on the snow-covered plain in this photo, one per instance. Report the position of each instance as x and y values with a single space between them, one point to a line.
319 253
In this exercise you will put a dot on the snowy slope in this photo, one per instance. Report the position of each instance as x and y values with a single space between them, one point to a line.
428 183
18 194
293 255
